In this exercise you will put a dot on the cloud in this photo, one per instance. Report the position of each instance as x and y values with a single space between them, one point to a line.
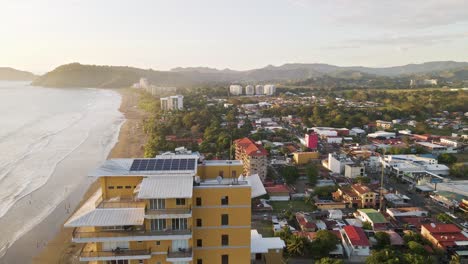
411 40
395 14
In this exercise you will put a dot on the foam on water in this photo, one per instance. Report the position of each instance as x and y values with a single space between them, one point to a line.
41 128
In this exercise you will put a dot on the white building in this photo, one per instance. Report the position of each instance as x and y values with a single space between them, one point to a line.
259 90
235 89
269 89
354 171
249 90
382 134
144 83
355 242
334 140
336 163
407 211
175 102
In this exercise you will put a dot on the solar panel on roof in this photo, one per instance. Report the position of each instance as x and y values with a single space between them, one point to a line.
135 165
162 164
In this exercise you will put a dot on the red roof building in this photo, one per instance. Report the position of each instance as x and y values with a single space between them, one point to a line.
253 156
443 235
355 241
356 236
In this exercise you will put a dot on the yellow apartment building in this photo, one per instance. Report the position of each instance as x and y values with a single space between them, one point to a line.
170 209
301 158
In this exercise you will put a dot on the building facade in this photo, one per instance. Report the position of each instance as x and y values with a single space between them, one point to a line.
175 102
254 157
166 210
235 89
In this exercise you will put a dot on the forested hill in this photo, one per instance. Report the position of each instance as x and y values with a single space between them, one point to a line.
10 74
78 75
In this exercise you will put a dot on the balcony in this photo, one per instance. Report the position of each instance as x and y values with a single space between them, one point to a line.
116 254
168 213
183 254
84 235
119 202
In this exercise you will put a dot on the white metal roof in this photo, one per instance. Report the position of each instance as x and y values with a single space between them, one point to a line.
256 184
259 244
89 215
163 187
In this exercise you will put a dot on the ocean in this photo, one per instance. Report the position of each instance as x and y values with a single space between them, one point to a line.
49 140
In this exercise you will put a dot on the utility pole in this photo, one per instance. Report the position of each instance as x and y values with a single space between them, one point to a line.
382 183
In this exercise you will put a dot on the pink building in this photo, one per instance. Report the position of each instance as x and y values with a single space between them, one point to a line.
311 140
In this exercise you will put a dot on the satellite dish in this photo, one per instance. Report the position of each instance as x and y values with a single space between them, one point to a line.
197 179
433 225
219 179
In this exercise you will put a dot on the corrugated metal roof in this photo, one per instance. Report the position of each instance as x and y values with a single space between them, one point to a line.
89 215
259 244
156 187
256 184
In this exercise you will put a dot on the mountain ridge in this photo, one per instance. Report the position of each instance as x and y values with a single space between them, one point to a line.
11 74
79 75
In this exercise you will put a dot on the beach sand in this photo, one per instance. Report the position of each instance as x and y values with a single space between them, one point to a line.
60 249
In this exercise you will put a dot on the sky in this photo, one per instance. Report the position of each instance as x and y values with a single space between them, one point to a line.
39 35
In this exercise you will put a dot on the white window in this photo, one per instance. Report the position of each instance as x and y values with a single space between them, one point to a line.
158 224
179 223
157 204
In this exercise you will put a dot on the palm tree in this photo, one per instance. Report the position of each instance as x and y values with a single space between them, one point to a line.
296 245
455 259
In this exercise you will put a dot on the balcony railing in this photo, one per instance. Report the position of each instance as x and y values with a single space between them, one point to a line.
120 203
115 253
168 211
79 233
180 253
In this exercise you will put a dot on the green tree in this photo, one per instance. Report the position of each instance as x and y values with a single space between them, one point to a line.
416 248
325 191
328 260
385 256
312 174
324 242
447 158
367 225
297 245
383 239
444 218
290 174
417 259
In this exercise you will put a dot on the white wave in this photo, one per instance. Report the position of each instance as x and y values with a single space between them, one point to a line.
37 151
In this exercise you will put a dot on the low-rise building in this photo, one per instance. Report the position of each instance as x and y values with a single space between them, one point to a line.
384 124
355 241
444 236
301 158
337 162
278 192
354 171
266 249
407 212
375 218
357 196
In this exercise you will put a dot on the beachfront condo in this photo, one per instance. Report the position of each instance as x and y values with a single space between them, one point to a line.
172 209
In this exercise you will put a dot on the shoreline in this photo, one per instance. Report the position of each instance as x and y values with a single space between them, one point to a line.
58 248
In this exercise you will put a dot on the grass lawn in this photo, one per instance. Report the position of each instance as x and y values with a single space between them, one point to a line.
264 227
295 205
